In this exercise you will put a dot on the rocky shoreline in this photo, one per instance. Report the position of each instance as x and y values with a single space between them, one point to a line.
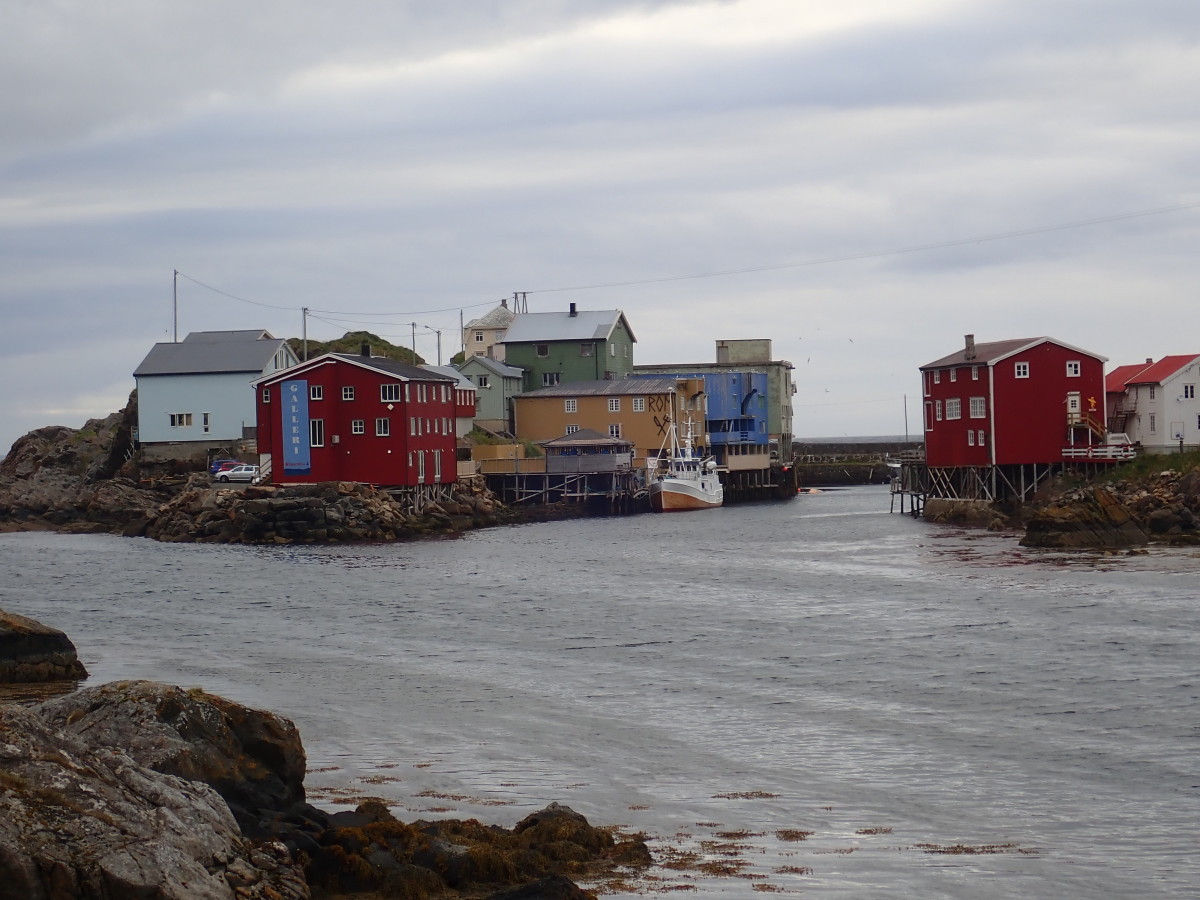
136 789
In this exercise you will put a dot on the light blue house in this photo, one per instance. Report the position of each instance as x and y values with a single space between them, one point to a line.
195 395
496 383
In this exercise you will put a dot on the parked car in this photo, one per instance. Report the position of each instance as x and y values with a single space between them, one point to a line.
219 465
241 472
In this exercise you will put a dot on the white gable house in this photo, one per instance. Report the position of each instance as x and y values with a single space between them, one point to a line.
196 394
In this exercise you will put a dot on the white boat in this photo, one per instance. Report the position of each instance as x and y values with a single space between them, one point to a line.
682 480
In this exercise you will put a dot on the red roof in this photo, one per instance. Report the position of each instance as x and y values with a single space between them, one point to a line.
1119 378
1161 370
992 352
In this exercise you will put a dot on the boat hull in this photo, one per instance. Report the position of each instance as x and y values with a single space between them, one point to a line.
672 495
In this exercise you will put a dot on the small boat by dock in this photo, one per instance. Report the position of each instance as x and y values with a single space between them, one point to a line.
682 480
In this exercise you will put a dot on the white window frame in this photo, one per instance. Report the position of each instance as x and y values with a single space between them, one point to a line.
1074 368
383 426
181 420
206 422
266 395
970 437
982 439
316 392
571 429
974 373
937 410
348 392
614 404
551 379
390 392
639 404
937 376
483 381
614 430
978 408
1189 392
479 337
358 426
1021 370
954 374
570 406
316 432
953 408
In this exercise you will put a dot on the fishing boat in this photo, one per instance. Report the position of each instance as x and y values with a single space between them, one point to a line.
682 480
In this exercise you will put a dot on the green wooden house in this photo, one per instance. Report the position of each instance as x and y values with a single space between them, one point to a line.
576 345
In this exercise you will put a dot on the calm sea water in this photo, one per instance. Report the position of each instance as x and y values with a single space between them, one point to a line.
724 681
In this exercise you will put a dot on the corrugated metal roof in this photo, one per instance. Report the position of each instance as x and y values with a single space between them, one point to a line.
243 335
618 387
586 437
1117 380
585 325
381 364
1162 370
222 355
450 372
497 367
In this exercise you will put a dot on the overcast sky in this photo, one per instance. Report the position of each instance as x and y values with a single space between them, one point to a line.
863 182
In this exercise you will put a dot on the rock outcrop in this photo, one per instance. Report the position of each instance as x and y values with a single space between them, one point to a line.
81 820
1092 518
31 651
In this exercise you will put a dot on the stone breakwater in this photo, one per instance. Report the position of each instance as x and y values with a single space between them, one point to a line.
331 512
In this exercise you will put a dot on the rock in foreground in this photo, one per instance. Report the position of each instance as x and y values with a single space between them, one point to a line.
31 651
1089 518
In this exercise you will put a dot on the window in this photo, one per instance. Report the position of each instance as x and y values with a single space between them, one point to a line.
982 440
1153 427
1151 392
542 350
614 430
970 437
974 373
614 404
181 420
479 337
954 374
937 409
445 424
937 376
266 395
639 404
383 427
978 407
549 379
348 393
612 349
483 381
1021 370
570 406
316 392
953 408
1189 392
316 432
389 393
586 349
205 422
358 426
1073 368
571 429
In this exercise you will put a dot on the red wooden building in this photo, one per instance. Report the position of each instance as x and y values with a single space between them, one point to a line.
1001 416
341 417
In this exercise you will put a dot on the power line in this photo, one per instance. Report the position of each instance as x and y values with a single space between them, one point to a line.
916 248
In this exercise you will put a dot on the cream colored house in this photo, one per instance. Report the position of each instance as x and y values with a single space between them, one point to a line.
483 336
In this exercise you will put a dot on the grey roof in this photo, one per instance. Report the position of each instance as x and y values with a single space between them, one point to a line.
450 372
585 325
586 437
987 354
243 335
195 355
618 387
495 366
500 317
402 371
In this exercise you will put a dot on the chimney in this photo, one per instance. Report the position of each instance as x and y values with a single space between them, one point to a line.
969 352
365 350
573 312
504 302
1149 361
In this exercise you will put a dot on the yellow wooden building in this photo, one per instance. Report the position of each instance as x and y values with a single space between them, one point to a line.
638 410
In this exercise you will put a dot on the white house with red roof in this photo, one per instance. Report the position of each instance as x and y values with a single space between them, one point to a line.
1156 403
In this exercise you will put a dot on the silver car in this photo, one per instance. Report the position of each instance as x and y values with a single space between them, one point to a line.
244 472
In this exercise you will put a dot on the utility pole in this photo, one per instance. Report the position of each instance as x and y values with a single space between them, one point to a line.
439 337
304 329
175 304
414 343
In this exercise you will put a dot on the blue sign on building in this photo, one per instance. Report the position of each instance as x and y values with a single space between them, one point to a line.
296 456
